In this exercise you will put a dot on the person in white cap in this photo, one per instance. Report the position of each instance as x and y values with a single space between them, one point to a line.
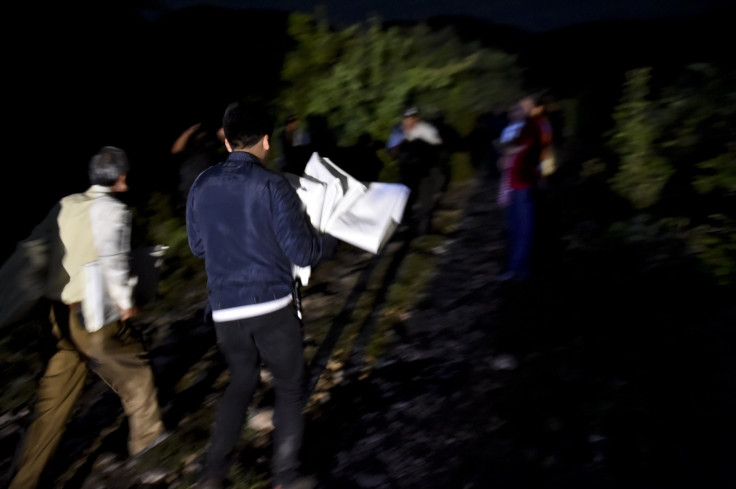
416 144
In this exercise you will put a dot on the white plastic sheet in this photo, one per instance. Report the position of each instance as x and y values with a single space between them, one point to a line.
364 215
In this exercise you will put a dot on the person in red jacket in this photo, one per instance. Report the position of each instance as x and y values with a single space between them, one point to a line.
522 158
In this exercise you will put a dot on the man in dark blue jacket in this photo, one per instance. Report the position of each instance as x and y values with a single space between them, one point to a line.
248 224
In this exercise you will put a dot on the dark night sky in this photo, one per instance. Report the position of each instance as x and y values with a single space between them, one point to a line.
531 15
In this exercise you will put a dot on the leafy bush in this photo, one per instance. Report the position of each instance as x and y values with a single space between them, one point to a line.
642 172
182 274
677 160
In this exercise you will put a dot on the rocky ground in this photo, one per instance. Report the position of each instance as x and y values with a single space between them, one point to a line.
469 383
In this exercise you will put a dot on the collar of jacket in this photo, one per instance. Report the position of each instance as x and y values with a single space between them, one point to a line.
243 157
100 189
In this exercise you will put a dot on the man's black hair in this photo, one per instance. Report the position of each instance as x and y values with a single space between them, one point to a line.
246 122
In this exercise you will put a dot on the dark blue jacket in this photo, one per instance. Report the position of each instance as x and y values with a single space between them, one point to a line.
248 224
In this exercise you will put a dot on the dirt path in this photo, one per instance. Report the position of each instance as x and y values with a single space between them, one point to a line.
426 373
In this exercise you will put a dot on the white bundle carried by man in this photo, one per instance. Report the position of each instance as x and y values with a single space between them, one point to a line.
364 215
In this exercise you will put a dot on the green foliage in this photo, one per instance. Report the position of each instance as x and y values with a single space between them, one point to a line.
642 173
462 167
182 273
591 168
362 77
684 136
720 174
698 115
714 243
